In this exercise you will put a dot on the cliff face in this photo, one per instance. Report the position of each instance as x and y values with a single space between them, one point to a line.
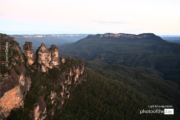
14 83
38 83
146 35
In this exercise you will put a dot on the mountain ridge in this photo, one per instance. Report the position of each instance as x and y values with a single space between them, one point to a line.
143 35
149 51
48 35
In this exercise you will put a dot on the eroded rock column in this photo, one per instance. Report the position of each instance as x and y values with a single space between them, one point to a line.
54 56
44 57
29 53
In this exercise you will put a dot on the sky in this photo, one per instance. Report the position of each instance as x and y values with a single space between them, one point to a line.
161 17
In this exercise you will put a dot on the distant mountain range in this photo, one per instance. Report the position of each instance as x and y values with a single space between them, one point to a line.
49 35
172 39
56 39
121 35
145 62
147 50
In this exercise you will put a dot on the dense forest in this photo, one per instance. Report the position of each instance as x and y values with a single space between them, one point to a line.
153 52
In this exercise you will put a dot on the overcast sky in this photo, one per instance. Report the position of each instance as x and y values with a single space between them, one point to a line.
161 17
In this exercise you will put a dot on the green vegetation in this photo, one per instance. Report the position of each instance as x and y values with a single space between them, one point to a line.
172 39
70 61
147 52
4 69
3 55
117 92
54 73
38 81
41 86
124 76
109 95
18 62
15 52
3 42
25 58
16 69
13 42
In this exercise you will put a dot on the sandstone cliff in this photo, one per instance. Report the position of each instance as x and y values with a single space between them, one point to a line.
119 35
14 83
28 51
35 83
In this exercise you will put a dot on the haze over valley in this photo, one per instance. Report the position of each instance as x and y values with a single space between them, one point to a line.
48 40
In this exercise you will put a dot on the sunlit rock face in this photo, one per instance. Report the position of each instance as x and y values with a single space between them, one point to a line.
53 95
54 56
48 58
63 59
29 53
79 70
39 112
10 100
36 113
44 57
14 98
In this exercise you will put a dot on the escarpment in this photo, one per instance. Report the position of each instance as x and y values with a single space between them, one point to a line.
37 83
120 35
14 83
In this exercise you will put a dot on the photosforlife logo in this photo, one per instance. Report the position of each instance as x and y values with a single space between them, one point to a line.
151 111
166 110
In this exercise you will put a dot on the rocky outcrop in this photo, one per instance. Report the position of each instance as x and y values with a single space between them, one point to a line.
120 35
47 58
39 112
44 57
62 59
54 56
11 100
14 82
73 76
21 70
28 51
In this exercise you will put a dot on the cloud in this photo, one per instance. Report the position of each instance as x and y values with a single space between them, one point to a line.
109 22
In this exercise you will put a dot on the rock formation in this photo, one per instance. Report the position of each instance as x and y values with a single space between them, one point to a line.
48 58
62 59
44 57
22 70
146 35
14 84
28 51
54 56
39 109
